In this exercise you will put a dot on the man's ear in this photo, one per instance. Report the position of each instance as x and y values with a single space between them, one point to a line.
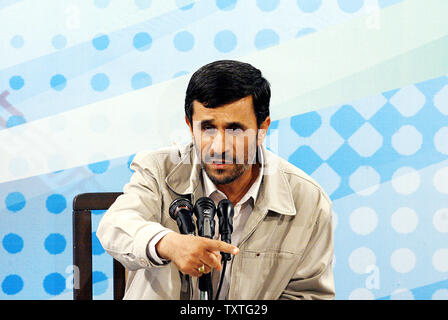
189 125
263 129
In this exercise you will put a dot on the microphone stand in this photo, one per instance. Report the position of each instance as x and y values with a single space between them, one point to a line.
205 281
181 210
225 213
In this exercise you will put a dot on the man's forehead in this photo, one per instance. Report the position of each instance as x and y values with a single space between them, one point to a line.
239 110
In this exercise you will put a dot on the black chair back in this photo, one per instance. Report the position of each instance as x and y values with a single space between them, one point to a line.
83 204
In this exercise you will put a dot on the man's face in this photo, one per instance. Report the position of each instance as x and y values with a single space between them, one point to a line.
226 138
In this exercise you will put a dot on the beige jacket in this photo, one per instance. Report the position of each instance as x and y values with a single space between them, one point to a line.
286 249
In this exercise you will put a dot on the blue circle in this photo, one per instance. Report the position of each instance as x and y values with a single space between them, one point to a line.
183 41
309 5
386 3
12 284
99 82
101 42
59 41
226 5
101 3
98 212
16 82
55 243
56 203
15 201
58 82
304 32
142 41
267 5
266 38
97 248
185 4
17 41
54 283
180 74
100 283
12 243
350 6
225 41
15 121
140 80
99 167
143 4
98 276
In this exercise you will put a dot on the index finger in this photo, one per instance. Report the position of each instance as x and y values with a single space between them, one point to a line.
222 246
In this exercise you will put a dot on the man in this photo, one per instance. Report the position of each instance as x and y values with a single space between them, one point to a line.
282 243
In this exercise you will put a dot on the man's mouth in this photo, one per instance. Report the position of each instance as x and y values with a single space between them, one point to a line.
219 164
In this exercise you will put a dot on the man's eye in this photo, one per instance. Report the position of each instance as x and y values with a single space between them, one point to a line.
209 130
234 131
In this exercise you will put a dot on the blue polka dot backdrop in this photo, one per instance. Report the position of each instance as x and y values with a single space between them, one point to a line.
16 82
55 243
100 82
17 41
142 41
183 41
382 157
15 201
225 41
14 121
101 42
56 203
185 4
12 243
58 82
143 4
59 41
140 80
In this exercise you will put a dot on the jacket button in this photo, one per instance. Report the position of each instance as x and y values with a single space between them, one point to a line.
258 254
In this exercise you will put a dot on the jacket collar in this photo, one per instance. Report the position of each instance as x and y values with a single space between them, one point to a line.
275 192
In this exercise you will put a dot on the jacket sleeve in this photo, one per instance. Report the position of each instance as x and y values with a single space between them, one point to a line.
313 278
134 218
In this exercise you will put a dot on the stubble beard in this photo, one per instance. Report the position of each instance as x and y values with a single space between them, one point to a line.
219 176
232 175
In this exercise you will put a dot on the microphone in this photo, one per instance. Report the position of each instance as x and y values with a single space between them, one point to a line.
181 210
225 214
204 211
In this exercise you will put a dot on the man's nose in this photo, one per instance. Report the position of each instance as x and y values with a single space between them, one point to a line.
220 144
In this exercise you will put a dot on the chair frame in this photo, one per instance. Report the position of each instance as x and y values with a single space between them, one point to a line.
83 204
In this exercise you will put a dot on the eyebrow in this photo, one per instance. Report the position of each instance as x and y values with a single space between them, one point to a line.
233 125
237 125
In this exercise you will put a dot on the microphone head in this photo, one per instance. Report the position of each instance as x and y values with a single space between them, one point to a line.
204 207
225 208
177 204
225 212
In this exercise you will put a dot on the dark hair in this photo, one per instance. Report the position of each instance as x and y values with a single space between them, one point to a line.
226 81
